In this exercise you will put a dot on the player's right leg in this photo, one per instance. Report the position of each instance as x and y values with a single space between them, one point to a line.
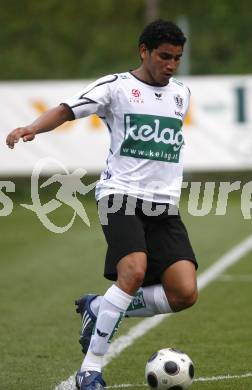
125 236
131 271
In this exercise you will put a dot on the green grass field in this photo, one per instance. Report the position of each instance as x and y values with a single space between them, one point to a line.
41 274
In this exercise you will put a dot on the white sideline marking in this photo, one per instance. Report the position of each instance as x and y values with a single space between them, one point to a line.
204 379
206 277
222 377
235 278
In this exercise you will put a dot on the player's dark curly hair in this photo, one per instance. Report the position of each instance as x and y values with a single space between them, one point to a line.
159 32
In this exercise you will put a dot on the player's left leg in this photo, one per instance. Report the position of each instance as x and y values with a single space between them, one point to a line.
180 284
177 292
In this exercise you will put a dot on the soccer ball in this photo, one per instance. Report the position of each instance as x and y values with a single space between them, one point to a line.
169 369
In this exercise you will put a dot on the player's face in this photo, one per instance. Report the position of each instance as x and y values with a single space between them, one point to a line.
161 63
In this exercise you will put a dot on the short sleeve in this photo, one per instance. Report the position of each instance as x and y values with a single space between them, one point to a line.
187 103
94 99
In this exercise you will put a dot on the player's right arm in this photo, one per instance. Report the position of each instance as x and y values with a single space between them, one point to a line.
48 121
93 99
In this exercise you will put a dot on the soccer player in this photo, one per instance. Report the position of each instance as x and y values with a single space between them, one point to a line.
149 254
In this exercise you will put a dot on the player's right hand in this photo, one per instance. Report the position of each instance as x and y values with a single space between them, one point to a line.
27 133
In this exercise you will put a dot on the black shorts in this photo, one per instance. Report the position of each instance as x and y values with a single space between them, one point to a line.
163 238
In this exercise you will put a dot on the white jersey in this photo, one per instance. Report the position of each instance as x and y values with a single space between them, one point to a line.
145 124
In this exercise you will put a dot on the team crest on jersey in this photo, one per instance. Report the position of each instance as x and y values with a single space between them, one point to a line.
136 96
178 101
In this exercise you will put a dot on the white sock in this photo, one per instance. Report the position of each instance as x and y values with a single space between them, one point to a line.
91 362
147 302
111 312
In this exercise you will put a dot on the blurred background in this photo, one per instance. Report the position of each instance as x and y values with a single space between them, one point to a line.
55 39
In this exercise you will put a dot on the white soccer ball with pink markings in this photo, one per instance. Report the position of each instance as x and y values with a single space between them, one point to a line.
169 368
